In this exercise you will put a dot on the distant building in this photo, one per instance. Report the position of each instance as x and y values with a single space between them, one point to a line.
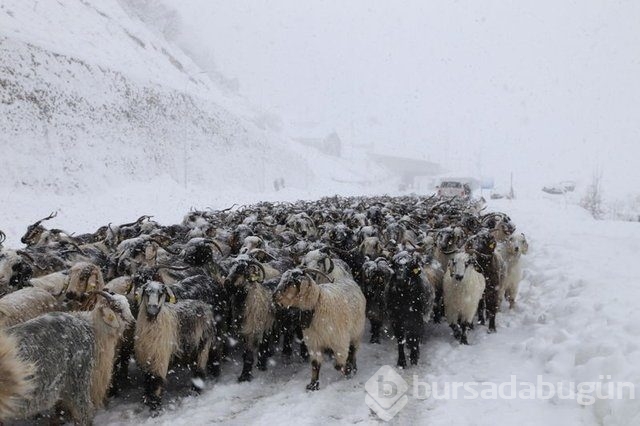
330 144
407 168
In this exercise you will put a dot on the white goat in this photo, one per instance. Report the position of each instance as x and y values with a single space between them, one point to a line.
511 270
337 318
463 287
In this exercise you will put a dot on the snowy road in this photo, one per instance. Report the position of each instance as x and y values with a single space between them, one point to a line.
575 321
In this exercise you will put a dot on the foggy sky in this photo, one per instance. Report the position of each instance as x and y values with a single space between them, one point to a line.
546 89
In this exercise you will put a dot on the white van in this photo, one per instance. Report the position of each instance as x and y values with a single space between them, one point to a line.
454 188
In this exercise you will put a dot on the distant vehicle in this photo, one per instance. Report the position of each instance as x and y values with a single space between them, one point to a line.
454 188
560 187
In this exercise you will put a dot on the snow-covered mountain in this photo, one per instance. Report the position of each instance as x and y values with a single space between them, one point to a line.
97 106
91 97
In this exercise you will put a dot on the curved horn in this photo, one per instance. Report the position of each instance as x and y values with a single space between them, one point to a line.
164 246
137 222
28 256
317 271
104 294
259 265
51 216
173 268
331 265
3 237
257 250
172 296
210 241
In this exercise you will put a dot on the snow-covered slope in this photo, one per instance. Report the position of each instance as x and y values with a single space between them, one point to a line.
91 100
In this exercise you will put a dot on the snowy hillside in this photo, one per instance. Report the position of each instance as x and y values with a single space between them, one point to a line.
117 104
92 101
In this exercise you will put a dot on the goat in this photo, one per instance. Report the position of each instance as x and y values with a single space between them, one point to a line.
463 287
73 285
409 299
61 358
25 304
253 310
511 250
337 312
375 278
170 334
482 245
15 271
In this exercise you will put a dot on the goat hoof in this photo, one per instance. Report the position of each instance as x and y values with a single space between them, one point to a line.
262 366
313 386
414 361
215 371
402 364
339 367
245 377
374 340
350 371
491 330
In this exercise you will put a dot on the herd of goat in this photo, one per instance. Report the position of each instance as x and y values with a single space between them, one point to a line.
75 309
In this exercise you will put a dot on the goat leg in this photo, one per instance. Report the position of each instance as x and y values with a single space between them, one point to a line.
481 306
154 388
314 385
414 349
402 361
351 367
247 365
264 352
376 325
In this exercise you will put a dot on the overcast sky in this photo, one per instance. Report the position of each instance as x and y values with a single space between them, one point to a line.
548 89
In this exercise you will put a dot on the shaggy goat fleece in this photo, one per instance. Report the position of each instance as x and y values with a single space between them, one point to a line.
338 319
461 298
15 385
25 304
61 347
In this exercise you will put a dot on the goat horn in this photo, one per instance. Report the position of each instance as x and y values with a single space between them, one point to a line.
317 271
28 256
210 241
172 296
164 246
257 250
51 216
259 265
173 268
104 294
3 237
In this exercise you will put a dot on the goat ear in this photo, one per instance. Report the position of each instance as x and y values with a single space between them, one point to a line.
138 293
109 317
328 269
172 297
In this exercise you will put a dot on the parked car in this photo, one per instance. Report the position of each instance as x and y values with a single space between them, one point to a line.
560 187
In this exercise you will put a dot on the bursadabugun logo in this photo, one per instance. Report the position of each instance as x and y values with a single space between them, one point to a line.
386 393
